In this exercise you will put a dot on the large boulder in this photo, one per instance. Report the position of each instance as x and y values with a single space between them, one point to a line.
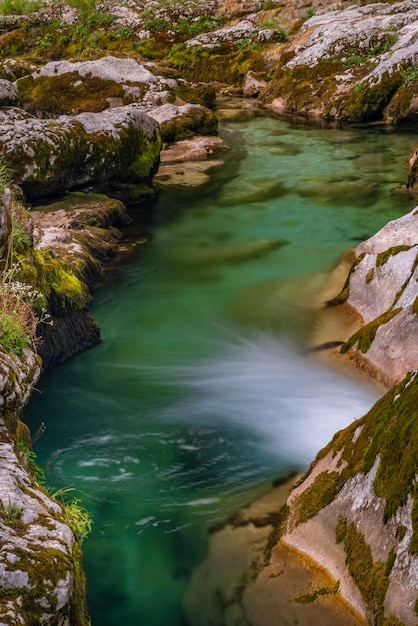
355 513
50 156
65 87
382 291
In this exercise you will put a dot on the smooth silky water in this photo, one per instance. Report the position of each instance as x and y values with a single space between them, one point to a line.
200 391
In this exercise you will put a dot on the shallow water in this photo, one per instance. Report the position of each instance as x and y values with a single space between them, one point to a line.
200 391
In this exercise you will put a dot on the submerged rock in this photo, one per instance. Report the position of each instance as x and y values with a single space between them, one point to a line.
224 253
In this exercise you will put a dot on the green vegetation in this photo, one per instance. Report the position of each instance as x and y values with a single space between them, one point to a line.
307 598
36 471
372 579
316 496
370 275
367 101
5 175
75 515
20 7
10 512
410 75
389 430
13 337
382 257
365 336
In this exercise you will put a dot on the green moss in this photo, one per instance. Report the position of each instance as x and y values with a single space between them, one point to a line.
413 546
68 93
195 121
370 275
316 496
389 430
45 568
307 598
202 65
196 94
392 621
341 529
345 291
366 101
365 336
372 579
78 613
58 283
146 164
401 532
382 257
23 434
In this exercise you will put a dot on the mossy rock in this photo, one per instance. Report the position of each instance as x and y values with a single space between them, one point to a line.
196 93
68 93
196 64
367 101
365 336
52 156
196 121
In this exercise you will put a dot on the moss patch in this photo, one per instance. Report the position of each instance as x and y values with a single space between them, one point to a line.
367 102
316 497
200 65
307 598
382 257
196 121
345 291
372 579
365 336
68 93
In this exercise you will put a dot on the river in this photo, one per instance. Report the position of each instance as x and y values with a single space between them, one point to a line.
201 391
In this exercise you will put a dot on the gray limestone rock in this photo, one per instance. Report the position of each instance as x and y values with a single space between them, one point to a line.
50 156
8 93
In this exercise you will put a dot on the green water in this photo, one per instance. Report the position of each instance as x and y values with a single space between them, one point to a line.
200 392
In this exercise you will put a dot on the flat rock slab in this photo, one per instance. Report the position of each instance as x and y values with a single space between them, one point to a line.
191 174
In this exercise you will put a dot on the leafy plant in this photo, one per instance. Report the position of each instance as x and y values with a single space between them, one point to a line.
410 75
244 45
13 336
310 12
10 512
46 42
197 26
33 467
124 33
77 517
157 24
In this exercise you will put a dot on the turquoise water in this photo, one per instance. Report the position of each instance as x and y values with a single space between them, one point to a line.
200 391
